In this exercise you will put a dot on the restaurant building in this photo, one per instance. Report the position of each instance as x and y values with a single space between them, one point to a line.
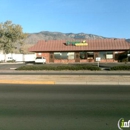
83 51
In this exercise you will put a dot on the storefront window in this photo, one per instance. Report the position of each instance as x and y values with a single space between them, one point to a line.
90 55
64 55
106 55
102 55
57 55
109 55
83 55
86 55
70 55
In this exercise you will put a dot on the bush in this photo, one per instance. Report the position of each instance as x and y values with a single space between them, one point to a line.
123 58
74 67
11 61
120 68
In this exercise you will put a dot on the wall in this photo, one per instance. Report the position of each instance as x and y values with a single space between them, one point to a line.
2 57
64 61
18 57
46 55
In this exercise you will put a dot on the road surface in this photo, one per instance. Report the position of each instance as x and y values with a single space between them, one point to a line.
63 107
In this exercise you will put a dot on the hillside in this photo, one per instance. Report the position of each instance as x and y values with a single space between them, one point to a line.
128 40
33 38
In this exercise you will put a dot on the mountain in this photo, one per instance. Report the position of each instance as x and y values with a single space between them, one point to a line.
33 38
128 40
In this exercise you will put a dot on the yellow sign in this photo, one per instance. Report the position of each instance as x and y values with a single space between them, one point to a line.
81 44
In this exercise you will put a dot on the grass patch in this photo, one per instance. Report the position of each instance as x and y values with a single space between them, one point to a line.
43 67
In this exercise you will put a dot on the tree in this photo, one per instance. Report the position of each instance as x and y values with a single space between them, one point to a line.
10 35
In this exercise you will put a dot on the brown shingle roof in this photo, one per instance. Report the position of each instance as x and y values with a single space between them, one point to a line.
93 45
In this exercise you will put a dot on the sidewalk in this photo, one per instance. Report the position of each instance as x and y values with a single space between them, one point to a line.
66 79
63 71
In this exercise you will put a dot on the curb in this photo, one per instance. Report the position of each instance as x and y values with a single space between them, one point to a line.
25 82
12 70
61 83
93 83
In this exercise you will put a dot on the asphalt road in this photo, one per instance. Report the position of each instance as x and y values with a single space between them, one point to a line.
63 107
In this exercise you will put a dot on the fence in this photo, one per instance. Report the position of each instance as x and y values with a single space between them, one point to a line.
18 57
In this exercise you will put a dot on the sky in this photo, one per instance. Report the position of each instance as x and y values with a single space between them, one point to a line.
108 18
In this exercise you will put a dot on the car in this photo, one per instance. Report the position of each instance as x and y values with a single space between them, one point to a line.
40 60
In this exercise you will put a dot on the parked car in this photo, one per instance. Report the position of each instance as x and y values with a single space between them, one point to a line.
40 60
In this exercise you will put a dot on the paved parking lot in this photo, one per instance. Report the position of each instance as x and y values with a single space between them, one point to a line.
9 66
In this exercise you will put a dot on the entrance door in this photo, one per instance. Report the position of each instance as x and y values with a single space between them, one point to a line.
77 57
51 57
96 54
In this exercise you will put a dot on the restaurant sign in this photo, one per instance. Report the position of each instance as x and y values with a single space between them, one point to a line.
77 43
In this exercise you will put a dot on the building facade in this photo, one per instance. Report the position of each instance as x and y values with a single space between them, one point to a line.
83 51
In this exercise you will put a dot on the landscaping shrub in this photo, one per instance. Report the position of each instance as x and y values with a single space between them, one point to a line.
123 58
74 67
120 67
11 61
